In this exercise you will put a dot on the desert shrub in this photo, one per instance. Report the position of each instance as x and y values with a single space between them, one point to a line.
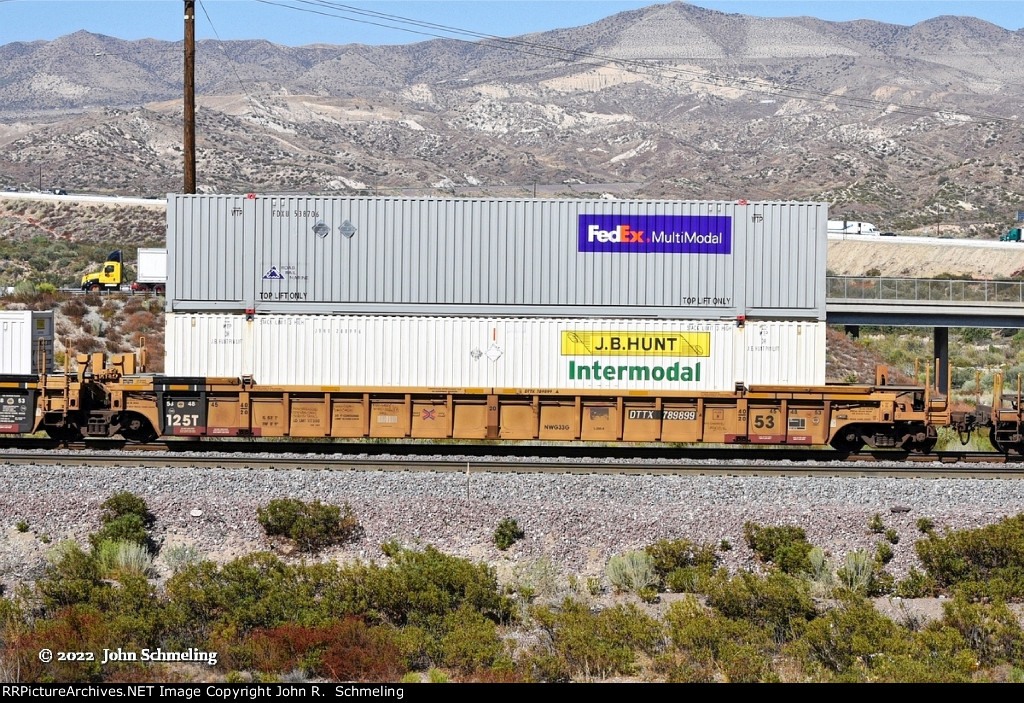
113 336
21 526
361 653
892 536
875 524
132 305
346 650
882 583
925 525
287 647
991 631
585 644
126 503
116 560
503 672
257 591
688 579
74 629
863 572
134 615
141 322
934 655
539 578
778 602
856 571
24 290
916 585
123 528
820 571
126 518
978 560
855 643
631 572
846 639
75 309
86 344
312 526
648 594
507 533
707 647
785 546
469 641
421 587
180 556
71 577
672 554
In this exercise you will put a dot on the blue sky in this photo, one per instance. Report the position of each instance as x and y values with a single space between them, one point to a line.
299 22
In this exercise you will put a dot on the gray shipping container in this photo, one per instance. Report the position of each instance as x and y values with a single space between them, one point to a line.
525 257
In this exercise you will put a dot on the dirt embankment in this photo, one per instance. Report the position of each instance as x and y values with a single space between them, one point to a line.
856 258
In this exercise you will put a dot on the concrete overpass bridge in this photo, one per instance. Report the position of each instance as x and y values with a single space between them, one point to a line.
853 301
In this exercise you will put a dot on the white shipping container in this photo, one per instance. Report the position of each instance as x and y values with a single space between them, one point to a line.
501 353
26 342
206 345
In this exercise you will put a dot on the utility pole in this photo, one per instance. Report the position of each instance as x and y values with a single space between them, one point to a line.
190 96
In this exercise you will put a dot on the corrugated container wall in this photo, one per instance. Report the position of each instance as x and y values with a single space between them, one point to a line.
478 257
529 354
26 342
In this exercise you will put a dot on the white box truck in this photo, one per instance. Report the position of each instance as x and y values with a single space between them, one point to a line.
151 271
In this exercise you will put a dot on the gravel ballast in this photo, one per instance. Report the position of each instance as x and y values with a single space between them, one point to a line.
575 521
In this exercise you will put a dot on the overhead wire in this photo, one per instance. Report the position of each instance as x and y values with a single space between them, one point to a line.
231 63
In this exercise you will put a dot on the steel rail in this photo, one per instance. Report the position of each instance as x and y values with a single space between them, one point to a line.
976 465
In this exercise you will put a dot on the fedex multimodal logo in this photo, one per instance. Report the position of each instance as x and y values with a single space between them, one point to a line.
656 234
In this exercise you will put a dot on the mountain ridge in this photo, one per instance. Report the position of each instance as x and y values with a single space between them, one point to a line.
907 125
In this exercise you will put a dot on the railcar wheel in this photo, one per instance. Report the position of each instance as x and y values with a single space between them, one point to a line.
136 428
924 446
848 440
66 433
919 439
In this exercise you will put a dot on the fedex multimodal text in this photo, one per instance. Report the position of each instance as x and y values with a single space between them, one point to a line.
656 234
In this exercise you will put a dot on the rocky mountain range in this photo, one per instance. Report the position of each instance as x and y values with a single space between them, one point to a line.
902 126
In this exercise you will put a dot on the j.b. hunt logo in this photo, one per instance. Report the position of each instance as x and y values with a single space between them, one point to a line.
656 234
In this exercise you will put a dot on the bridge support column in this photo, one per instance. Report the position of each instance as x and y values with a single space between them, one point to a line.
941 348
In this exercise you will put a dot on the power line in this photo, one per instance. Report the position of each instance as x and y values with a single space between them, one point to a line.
220 45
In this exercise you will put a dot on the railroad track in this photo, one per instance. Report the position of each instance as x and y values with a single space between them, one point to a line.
526 457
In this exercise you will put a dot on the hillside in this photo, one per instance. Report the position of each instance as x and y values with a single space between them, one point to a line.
901 126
